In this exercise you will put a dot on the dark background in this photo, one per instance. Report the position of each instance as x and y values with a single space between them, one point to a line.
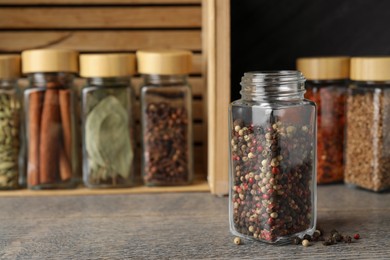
271 34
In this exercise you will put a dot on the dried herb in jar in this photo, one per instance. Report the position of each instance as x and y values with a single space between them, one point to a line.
107 138
9 140
272 167
166 144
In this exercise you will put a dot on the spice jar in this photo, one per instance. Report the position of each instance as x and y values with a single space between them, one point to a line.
166 117
272 158
326 85
107 121
368 124
10 139
49 105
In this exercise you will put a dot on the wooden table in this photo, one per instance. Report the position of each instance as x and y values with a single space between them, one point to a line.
177 225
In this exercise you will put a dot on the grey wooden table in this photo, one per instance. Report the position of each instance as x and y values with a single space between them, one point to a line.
177 226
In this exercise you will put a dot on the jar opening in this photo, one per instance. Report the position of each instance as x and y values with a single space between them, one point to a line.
268 84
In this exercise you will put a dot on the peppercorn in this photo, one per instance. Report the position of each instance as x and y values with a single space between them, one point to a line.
237 241
305 242
296 241
337 237
348 239
307 237
356 236
316 234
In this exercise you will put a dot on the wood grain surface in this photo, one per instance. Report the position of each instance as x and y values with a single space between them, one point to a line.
99 41
97 2
178 226
100 17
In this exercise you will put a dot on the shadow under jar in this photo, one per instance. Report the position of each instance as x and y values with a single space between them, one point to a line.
166 117
327 85
272 158
49 104
10 123
107 120
368 124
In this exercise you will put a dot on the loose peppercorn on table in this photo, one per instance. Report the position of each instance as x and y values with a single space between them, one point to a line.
178 226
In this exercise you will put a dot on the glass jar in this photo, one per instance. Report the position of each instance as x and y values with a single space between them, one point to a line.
272 158
368 124
107 120
166 117
10 125
49 105
326 85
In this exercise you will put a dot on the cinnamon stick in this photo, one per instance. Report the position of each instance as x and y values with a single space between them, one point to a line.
34 120
65 168
50 133
66 120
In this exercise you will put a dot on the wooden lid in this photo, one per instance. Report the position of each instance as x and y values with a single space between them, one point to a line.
49 60
107 65
9 66
370 68
164 62
324 68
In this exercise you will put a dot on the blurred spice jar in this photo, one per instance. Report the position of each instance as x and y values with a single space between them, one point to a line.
107 119
272 158
10 117
326 85
49 112
368 124
166 117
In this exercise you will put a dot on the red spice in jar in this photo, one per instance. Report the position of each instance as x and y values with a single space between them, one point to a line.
330 100
326 85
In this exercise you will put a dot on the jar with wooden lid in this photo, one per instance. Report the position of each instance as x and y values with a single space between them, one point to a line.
49 111
272 158
107 102
368 124
166 117
327 85
10 123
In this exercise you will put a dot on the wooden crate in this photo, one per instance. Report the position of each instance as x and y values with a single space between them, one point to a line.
91 26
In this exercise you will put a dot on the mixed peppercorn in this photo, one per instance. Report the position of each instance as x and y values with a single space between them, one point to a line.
272 167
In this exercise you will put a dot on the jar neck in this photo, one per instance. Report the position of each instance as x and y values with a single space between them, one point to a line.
51 79
8 83
272 86
164 80
109 82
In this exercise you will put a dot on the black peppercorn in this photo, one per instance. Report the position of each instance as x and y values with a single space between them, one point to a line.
347 239
296 241
334 231
307 237
337 237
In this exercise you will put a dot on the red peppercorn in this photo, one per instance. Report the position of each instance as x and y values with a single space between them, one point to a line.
356 236
251 180
275 170
259 148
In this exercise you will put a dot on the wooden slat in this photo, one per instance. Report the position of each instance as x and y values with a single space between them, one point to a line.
97 2
218 92
100 17
199 185
98 41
